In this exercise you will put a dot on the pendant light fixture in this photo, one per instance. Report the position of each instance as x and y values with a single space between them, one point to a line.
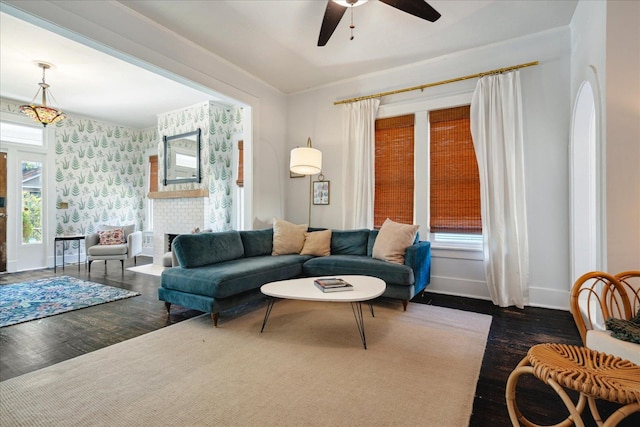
42 113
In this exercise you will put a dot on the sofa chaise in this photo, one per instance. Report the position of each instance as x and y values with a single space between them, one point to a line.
220 270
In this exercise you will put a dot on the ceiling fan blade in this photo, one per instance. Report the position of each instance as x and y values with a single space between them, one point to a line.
332 16
418 8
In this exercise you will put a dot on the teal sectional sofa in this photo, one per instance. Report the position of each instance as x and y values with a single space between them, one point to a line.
221 270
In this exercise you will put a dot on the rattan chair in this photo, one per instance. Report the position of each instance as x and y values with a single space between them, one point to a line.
630 280
593 374
597 296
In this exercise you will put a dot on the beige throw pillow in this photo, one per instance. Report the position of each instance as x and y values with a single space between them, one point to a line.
393 240
288 238
317 243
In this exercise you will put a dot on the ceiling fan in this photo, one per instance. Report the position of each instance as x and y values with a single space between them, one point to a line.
336 8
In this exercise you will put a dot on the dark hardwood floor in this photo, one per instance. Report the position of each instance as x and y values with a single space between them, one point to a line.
33 345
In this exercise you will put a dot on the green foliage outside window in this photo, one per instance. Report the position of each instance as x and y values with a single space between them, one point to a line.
31 217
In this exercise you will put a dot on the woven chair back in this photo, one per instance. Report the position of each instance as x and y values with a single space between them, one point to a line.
597 296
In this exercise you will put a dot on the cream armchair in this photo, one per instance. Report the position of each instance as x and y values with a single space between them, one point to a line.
110 250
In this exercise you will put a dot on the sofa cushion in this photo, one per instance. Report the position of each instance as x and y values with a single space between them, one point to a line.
288 238
349 242
104 250
229 278
257 242
197 250
373 234
393 240
112 237
317 243
604 342
360 265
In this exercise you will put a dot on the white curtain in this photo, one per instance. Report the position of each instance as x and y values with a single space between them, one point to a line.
496 127
358 163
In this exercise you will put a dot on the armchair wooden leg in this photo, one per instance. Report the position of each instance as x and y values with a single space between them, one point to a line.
122 262
167 305
89 262
404 304
105 266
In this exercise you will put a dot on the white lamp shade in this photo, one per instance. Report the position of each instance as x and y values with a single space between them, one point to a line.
306 161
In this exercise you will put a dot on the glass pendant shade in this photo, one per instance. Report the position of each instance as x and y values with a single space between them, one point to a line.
41 113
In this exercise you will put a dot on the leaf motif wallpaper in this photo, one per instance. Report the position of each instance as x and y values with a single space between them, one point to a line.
100 173
101 167
218 124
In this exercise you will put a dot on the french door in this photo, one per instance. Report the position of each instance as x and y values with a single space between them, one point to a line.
31 211
27 195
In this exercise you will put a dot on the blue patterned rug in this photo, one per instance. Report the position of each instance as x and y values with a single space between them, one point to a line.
21 302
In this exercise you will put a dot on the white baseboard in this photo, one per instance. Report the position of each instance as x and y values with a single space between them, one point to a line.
538 297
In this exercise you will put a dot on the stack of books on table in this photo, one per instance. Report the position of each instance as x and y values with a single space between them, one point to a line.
333 284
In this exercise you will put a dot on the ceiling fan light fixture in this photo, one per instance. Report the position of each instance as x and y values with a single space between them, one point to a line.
42 113
350 3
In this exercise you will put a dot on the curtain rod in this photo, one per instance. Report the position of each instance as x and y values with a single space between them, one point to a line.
422 87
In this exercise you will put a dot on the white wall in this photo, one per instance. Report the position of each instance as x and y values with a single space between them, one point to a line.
623 135
606 53
588 28
547 107
110 27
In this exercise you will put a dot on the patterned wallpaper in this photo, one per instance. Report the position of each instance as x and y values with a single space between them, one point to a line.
101 167
218 125
100 172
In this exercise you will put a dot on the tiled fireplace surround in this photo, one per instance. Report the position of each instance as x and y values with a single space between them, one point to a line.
175 216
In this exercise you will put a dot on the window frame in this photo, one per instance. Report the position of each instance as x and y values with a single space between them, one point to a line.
422 177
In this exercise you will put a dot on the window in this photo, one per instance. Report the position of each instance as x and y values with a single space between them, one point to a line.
394 178
31 202
153 174
444 191
240 180
454 195
21 134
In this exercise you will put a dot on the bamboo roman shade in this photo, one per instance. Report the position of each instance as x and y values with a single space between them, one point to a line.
455 183
240 180
394 170
153 174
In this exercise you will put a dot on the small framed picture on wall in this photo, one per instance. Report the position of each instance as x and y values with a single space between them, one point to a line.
320 192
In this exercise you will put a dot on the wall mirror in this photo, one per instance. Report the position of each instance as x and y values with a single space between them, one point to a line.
182 158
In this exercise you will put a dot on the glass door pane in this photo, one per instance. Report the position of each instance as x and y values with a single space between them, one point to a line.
31 202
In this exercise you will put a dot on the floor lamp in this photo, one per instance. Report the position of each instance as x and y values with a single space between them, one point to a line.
306 161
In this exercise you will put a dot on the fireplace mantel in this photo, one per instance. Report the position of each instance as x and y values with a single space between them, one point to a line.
180 194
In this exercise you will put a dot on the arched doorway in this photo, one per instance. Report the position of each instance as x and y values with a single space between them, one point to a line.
584 185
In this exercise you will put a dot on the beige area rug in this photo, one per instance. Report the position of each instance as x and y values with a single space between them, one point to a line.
152 269
307 368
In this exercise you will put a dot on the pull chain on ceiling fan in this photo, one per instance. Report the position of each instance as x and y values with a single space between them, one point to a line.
336 8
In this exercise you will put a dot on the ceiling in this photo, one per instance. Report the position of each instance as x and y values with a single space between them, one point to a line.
274 40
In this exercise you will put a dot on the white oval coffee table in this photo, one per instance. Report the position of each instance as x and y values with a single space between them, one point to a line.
365 288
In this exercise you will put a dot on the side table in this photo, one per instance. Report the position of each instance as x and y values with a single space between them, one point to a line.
64 239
